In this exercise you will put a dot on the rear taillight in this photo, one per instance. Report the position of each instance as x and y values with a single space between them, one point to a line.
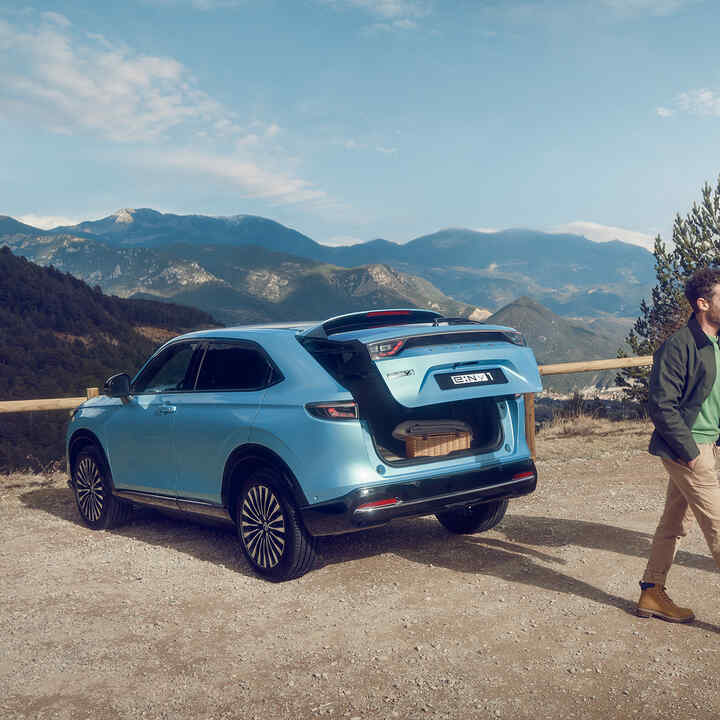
378 504
333 411
515 337
388 348
524 476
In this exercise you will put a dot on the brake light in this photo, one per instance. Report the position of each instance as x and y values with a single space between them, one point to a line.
385 349
524 476
379 313
378 503
333 411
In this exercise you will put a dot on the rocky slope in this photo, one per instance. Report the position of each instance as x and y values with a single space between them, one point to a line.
237 284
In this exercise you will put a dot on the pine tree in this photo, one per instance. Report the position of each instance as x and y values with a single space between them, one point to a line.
696 240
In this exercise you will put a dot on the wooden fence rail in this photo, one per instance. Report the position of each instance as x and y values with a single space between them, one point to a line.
12 406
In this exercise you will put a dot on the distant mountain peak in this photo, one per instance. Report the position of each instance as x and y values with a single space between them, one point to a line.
525 301
124 215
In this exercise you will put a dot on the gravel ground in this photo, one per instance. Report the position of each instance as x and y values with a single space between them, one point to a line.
163 618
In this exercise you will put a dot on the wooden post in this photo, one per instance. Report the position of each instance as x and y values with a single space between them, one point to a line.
530 422
92 392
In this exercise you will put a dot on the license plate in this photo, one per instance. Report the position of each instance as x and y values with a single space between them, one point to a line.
493 376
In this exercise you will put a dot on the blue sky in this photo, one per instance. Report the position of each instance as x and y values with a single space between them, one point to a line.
356 119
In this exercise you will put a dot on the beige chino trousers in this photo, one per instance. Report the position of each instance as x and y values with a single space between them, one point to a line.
690 492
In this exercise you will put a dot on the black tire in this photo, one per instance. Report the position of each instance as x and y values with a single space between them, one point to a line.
92 485
474 519
272 535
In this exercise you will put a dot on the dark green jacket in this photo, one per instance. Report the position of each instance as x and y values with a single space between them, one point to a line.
682 377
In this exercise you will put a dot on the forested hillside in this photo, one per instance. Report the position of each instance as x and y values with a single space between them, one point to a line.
59 336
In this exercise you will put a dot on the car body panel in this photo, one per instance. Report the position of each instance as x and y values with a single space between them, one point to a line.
184 453
208 427
139 430
420 387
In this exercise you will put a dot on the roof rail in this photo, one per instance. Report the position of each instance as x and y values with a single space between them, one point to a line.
373 319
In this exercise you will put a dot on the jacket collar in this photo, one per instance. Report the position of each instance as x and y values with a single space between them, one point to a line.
698 333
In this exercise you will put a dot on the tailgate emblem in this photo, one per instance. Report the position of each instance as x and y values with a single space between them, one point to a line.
400 373
480 377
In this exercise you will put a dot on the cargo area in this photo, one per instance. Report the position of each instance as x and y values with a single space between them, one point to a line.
477 420
481 417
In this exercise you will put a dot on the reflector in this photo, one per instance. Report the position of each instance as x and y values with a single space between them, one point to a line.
378 503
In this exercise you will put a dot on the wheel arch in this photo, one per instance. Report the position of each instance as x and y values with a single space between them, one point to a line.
246 458
81 439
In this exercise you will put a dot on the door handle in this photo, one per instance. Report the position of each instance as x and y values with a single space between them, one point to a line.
167 409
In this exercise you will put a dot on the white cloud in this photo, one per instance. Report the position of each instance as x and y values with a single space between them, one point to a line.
202 5
486 230
48 222
342 241
651 7
606 233
699 102
76 82
377 28
72 81
353 144
556 13
702 101
56 18
254 181
392 9
392 15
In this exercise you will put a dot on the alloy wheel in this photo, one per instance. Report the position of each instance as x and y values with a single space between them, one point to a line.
90 489
262 526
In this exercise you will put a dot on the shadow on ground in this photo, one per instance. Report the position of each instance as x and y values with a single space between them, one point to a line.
209 543
525 554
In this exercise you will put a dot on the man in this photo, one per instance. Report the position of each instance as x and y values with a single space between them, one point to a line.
684 405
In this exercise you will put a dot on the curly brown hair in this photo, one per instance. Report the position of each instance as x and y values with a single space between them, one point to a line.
700 285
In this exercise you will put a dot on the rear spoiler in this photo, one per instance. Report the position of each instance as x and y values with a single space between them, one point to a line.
383 318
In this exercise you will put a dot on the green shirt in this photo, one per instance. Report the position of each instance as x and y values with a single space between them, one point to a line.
705 429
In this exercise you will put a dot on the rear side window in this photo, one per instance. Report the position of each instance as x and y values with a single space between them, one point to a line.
234 367
171 370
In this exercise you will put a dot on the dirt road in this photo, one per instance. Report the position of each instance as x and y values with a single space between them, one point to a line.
163 618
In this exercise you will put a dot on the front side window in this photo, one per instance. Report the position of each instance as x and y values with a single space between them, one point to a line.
233 367
169 371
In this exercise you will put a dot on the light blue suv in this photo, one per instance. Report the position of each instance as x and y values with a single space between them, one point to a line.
305 430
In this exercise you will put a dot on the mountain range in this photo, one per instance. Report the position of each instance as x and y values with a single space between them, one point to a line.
59 336
245 267
556 339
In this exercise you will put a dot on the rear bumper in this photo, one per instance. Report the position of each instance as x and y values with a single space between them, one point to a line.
421 497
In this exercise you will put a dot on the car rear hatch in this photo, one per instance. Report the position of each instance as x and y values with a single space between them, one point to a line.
422 373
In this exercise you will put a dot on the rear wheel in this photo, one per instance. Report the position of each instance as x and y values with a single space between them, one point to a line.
474 519
98 507
272 536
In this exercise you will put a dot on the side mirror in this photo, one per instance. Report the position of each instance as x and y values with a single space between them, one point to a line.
117 386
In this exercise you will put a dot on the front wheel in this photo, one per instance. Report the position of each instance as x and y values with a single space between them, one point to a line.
474 519
272 536
98 507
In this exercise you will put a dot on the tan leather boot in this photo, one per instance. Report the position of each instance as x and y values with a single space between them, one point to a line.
654 601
